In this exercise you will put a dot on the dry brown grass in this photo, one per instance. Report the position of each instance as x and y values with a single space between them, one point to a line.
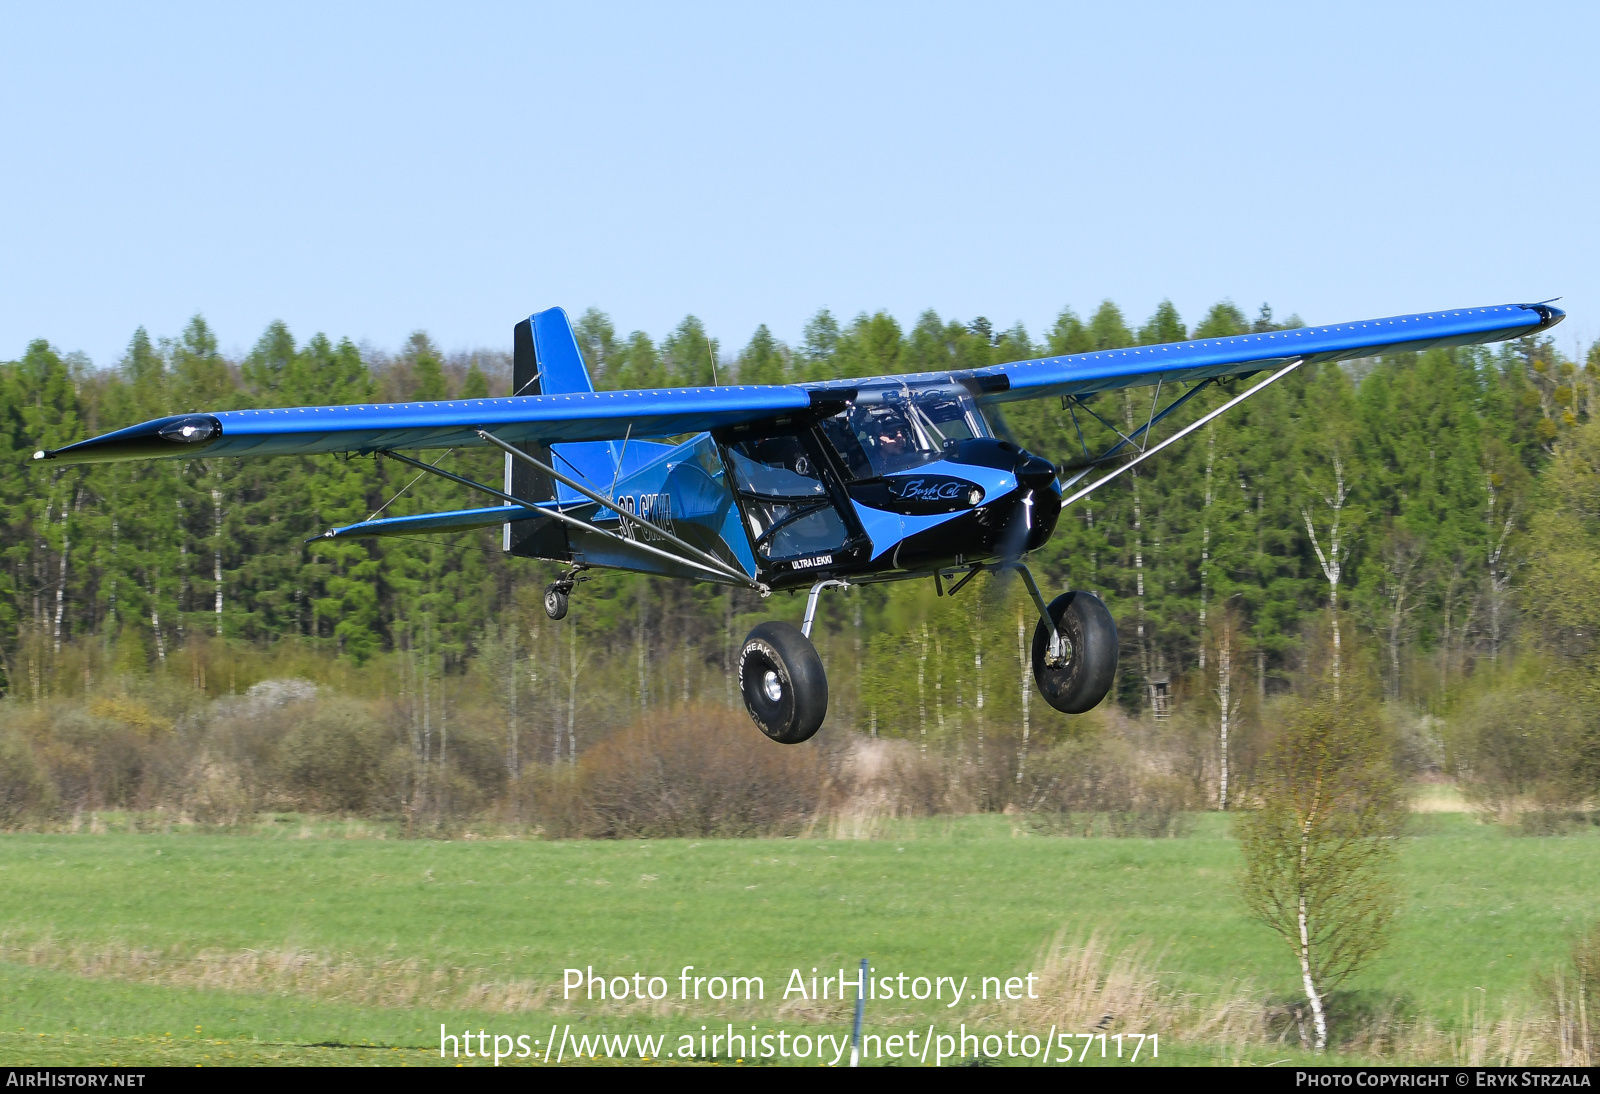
1084 986
1087 986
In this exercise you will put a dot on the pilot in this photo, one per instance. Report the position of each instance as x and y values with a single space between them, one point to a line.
894 445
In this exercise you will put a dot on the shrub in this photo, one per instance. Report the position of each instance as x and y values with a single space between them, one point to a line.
26 791
333 757
699 771
1104 784
1523 752
879 777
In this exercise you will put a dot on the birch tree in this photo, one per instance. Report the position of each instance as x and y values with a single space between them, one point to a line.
1401 559
1332 546
1319 840
1226 692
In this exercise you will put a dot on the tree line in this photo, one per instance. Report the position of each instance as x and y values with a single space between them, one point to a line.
1430 512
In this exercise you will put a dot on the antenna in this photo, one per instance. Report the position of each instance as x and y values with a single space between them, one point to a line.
711 348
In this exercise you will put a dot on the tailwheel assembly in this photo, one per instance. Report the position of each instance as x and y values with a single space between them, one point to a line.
555 600
557 592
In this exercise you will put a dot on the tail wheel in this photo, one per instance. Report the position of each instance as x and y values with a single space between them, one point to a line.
784 686
1079 677
555 602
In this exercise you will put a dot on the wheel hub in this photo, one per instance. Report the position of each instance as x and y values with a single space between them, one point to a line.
1062 657
772 686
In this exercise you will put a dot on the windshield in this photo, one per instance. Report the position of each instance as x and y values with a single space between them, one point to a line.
891 429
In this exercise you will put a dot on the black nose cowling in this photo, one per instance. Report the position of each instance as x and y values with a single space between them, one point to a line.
1035 472
1036 478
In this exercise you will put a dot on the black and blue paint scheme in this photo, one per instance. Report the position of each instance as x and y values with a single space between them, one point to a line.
788 486
672 457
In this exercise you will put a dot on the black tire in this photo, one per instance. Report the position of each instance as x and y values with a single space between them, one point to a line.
555 602
1090 667
784 686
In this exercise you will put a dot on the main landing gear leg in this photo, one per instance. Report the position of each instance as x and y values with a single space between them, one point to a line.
1074 648
1045 618
781 677
811 602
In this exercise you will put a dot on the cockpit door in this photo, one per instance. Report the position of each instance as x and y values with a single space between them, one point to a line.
792 497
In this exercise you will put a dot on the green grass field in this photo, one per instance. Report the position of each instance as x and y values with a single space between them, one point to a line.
191 948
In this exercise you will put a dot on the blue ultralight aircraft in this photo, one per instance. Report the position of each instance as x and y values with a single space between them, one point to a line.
814 485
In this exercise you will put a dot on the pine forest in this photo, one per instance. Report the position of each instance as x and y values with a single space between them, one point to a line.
1426 527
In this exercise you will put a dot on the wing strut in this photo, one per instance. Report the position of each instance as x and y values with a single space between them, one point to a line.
1072 402
610 503
1184 432
722 571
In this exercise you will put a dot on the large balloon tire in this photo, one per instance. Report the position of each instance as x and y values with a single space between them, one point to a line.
1090 668
783 683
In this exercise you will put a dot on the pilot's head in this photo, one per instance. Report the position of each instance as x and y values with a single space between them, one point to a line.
892 441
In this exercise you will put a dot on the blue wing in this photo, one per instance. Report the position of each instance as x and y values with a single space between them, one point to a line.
582 415
531 419
1082 373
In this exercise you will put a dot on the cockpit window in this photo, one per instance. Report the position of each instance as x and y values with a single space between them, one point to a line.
776 467
891 429
786 502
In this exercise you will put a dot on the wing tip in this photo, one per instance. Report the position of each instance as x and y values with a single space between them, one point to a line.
1548 316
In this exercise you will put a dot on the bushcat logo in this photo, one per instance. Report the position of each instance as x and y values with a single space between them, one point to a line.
923 489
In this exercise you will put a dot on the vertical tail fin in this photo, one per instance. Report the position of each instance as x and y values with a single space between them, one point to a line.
546 360
546 357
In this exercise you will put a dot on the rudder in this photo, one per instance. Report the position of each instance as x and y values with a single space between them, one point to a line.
545 360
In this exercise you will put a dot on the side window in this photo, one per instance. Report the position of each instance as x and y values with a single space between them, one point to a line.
776 465
948 413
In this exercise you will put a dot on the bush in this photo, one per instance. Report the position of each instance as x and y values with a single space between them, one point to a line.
333 757
548 797
700 771
1526 754
879 777
26 790
1105 785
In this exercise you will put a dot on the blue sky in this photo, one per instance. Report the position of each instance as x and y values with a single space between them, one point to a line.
371 170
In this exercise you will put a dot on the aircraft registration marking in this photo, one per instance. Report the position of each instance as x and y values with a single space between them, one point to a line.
651 508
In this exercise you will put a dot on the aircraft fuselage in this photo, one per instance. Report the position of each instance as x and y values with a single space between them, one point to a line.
887 481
